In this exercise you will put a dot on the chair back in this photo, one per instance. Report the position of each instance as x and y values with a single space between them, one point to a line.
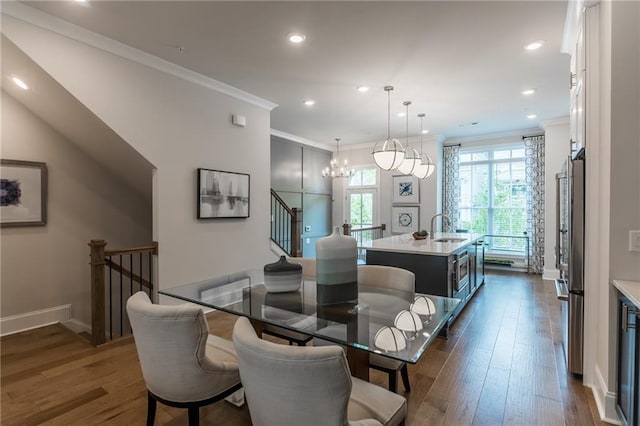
387 277
308 266
291 385
171 343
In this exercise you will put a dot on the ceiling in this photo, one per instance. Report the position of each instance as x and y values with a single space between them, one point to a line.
458 62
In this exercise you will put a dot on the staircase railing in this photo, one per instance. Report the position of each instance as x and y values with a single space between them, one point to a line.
125 266
286 226
364 237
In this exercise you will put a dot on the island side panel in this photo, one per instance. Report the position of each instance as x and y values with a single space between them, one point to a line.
432 272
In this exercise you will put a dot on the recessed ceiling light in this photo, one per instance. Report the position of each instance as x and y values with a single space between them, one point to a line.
531 116
528 92
534 45
296 38
424 132
363 89
402 114
309 102
80 1
21 84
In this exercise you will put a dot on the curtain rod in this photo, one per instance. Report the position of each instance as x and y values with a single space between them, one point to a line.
455 144
532 136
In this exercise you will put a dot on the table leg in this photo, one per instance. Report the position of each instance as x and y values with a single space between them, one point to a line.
358 363
257 326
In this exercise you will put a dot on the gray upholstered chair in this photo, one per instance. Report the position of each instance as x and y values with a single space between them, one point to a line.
308 272
182 364
388 277
289 385
385 277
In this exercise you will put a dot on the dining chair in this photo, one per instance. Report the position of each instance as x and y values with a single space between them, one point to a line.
182 364
289 385
388 277
384 277
308 272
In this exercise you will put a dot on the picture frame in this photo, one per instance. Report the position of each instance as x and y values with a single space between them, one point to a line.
406 190
222 195
405 219
23 193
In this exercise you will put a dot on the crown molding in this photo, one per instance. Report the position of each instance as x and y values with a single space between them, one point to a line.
59 26
555 122
299 139
413 140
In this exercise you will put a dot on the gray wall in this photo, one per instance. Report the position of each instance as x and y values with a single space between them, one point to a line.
296 175
44 267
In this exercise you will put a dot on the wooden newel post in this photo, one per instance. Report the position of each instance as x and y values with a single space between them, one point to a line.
97 292
346 229
296 232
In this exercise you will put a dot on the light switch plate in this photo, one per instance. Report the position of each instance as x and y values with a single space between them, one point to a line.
307 240
634 241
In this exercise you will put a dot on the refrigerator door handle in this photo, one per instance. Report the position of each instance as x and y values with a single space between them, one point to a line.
559 230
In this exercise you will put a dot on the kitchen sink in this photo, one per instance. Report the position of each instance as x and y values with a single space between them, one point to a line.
449 240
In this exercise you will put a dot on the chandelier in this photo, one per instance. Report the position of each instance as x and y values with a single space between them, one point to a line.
388 154
425 166
335 170
411 156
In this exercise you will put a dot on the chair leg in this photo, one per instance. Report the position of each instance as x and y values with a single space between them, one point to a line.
393 381
405 378
194 416
151 409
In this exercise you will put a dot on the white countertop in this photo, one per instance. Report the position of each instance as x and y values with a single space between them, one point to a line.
406 244
631 289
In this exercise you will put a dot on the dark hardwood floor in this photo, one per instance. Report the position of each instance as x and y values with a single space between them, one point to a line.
503 364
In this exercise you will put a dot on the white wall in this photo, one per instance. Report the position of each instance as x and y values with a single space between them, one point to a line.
556 151
47 266
361 156
178 125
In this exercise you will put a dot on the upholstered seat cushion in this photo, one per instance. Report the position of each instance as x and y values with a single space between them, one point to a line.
385 362
222 350
373 402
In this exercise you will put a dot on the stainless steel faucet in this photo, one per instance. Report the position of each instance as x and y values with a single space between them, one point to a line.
433 219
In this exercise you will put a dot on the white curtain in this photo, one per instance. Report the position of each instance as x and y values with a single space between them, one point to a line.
534 158
451 184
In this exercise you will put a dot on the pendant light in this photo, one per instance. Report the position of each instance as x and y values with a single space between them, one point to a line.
411 156
426 166
335 170
388 154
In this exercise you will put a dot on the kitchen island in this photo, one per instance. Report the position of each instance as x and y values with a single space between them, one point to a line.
449 264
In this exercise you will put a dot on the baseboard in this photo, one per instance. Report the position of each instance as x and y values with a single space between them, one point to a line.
77 326
27 321
550 274
605 400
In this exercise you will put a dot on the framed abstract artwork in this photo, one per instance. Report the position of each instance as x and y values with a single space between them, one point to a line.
406 190
23 193
222 194
405 219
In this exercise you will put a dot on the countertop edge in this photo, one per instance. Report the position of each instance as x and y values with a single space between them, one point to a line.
631 289
472 238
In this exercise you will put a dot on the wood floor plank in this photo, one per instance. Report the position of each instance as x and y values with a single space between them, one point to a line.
503 364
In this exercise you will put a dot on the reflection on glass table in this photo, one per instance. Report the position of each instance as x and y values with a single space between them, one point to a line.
352 325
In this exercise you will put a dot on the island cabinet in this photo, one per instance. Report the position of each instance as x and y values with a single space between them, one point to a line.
446 265
628 390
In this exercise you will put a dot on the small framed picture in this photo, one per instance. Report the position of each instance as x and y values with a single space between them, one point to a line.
222 194
406 190
405 219
23 193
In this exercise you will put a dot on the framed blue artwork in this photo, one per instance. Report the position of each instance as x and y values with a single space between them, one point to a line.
23 193
406 190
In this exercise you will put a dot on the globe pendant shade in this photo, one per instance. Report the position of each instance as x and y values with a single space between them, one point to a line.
411 160
425 167
388 154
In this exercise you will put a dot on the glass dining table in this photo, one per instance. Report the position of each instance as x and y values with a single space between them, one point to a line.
362 327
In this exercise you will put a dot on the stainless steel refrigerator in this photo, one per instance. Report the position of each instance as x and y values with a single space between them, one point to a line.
570 198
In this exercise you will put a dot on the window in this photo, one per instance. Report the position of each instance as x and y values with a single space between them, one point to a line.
361 198
493 195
